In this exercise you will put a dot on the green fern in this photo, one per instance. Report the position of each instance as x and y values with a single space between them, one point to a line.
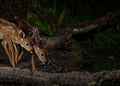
107 39
34 19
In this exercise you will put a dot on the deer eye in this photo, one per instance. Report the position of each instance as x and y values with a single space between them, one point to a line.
42 55
27 44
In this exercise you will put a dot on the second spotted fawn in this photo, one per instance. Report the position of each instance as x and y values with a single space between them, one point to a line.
33 33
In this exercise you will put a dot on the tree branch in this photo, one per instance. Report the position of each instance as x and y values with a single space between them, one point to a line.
92 24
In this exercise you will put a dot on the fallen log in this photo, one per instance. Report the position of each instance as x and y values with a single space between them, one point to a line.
36 78
89 25
60 42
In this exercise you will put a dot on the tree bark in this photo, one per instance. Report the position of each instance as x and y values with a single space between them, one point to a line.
26 76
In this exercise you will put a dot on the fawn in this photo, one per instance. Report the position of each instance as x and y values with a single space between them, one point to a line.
33 33
12 35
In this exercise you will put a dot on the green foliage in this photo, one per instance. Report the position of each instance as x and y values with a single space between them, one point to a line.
79 10
73 12
107 39
58 15
61 17
107 63
34 19
33 3
43 26
53 9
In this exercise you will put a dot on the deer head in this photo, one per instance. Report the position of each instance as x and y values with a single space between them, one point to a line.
25 41
40 53
37 45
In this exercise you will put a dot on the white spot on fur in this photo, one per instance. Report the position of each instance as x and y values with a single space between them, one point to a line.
22 45
10 27
21 38
13 31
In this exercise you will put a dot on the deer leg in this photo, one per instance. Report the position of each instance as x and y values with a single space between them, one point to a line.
11 47
33 63
5 46
8 46
16 54
20 55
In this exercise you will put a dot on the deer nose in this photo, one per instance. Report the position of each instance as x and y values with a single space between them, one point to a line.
31 51
43 61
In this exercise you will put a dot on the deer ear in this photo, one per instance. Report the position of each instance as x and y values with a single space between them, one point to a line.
22 34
